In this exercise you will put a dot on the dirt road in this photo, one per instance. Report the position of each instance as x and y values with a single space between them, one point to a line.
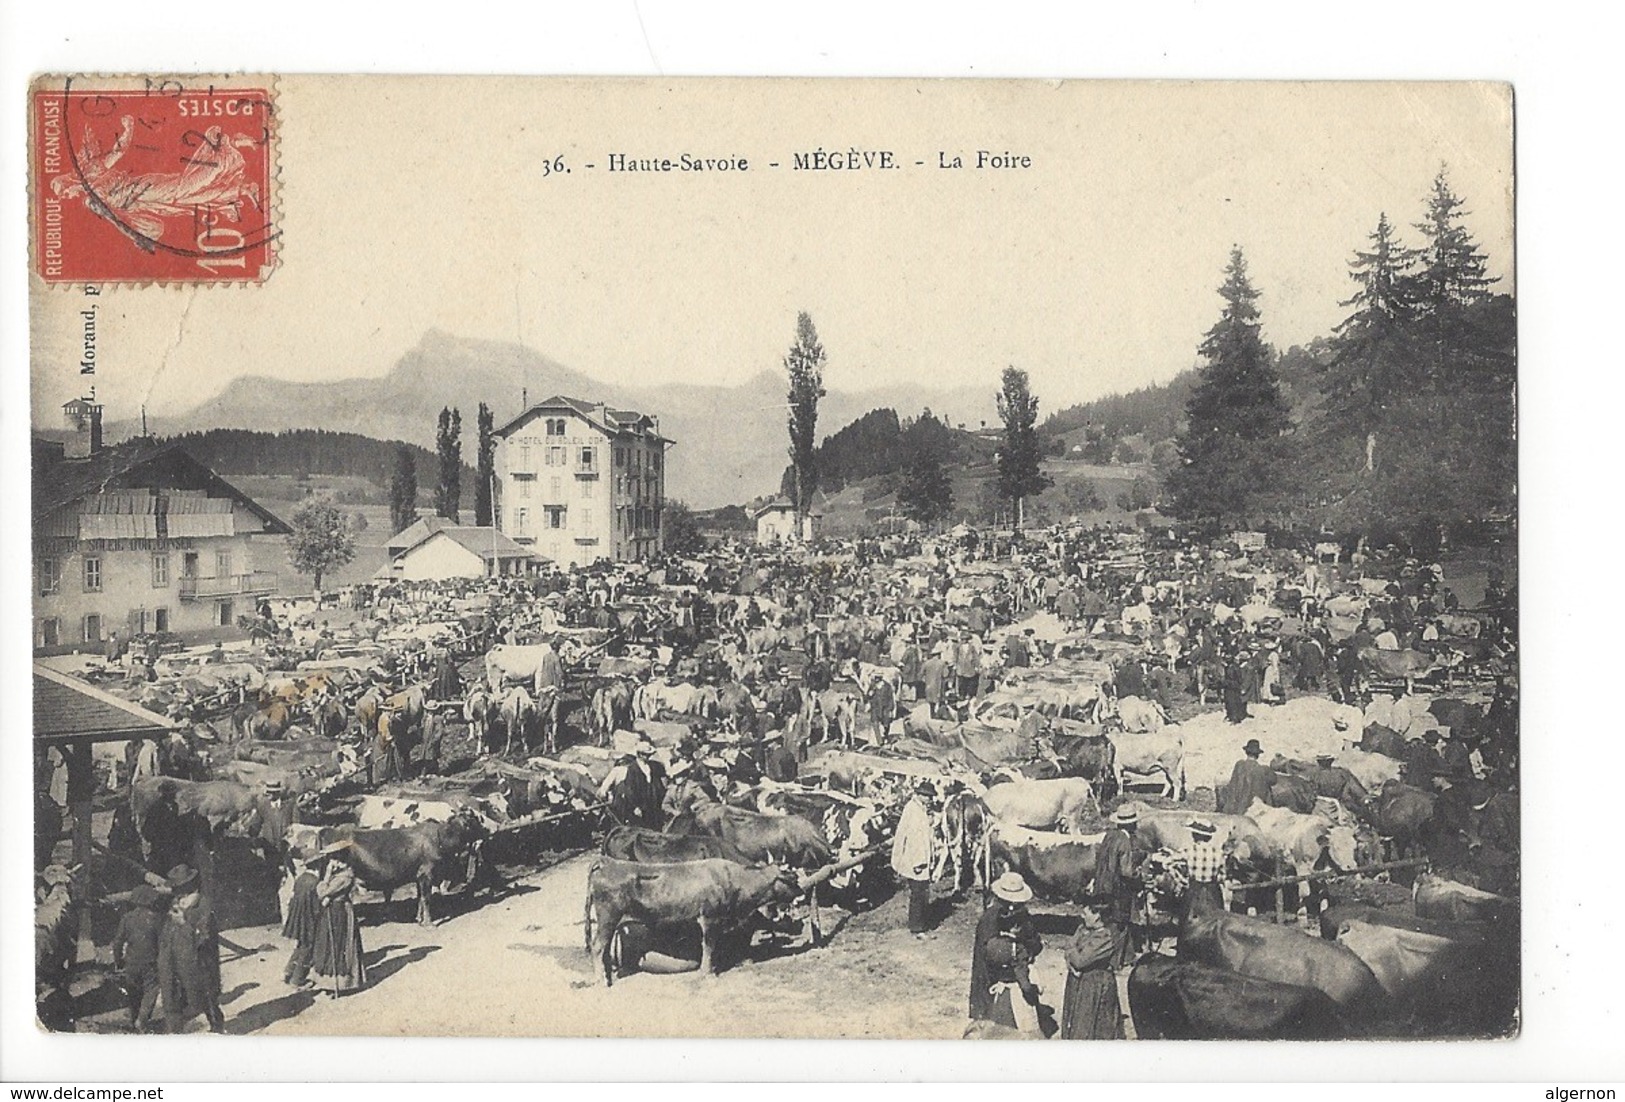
516 967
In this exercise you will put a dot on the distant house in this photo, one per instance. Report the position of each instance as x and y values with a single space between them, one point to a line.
442 551
139 538
578 481
776 523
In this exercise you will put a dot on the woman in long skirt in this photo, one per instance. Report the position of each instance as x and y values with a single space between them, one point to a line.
336 959
1091 1011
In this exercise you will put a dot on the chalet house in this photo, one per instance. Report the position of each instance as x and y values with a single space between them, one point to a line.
578 482
140 538
776 523
443 550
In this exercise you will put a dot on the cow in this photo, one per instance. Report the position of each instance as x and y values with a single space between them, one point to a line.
1263 950
516 711
1043 805
1293 793
1183 1000
1437 897
1092 757
1398 813
1166 829
388 859
1057 866
267 720
1137 716
771 839
1160 752
680 697
508 664
865 674
644 846
1298 835
850 826
611 709
963 829
715 893
1408 666
227 807
480 712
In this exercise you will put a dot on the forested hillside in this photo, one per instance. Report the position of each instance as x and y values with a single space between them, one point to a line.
298 453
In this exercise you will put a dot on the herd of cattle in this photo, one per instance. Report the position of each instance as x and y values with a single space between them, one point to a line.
482 729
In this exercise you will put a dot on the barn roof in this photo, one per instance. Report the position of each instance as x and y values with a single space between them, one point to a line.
66 708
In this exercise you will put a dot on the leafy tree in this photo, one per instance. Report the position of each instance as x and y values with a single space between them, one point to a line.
322 540
485 472
1083 496
681 529
1232 445
925 493
805 365
403 489
1020 475
449 446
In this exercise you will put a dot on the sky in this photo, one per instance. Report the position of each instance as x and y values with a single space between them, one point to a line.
415 203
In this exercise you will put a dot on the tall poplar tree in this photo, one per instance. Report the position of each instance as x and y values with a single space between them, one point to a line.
1020 475
486 466
805 367
403 489
449 446
1231 448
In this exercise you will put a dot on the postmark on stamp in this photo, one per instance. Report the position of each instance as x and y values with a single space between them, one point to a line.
152 180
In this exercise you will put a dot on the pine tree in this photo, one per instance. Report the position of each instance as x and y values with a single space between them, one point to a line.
1374 356
805 366
1232 444
924 493
449 446
1020 475
403 489
485 473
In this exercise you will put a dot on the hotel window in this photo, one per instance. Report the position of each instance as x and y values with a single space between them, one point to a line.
587 459
555 516
524 488
524 457
553 488
50 577
520 517
93 579
50 632
555 426
586 517
654 461
555 456
620 457
160 571
160 620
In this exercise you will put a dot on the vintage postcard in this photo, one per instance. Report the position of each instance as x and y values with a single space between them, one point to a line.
774 558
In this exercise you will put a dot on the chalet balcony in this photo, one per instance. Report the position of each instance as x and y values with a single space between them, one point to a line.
256 584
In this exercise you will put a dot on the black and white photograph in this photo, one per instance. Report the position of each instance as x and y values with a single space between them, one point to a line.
766 558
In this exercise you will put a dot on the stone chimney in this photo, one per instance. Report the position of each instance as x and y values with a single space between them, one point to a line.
83 420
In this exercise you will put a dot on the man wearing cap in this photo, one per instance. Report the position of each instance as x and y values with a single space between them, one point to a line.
1006 942
913 856
1249 780
1116 876
189 955
135 953
1205 863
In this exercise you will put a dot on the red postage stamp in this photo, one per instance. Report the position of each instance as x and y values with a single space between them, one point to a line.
152 180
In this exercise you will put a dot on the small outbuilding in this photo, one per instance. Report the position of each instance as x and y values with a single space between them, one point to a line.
442 552
776 523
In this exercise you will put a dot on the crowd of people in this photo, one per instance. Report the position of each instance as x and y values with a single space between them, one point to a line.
789 653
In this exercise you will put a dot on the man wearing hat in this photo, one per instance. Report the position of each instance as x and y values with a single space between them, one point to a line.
1117 877
1335 782
1205 863
1250 780
690 788
189 955
277 813
1006 942
135 953
913 855
636 783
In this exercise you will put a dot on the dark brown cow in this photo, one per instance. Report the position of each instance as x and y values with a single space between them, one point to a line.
1059 867
385 860
1181 1000
715 893
772 839
1092 757
642 846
